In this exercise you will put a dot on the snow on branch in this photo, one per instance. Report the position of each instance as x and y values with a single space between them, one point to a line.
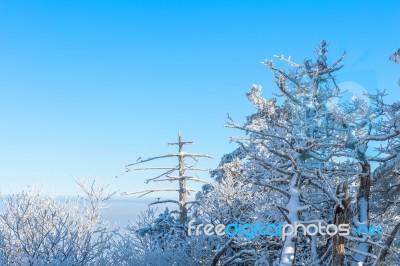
181 177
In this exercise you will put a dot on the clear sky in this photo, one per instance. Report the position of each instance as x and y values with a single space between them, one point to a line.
88 86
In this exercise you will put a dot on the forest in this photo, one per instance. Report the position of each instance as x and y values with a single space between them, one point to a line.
303 157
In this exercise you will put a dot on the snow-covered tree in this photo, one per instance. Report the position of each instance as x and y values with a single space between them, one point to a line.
233 200
43 230
317 159
385 196
162 240
181 173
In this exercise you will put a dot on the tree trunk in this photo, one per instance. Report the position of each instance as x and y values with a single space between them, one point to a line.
182 184
342 215
388 243
363 206
289 247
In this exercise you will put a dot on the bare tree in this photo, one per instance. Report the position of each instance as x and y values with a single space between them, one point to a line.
182 169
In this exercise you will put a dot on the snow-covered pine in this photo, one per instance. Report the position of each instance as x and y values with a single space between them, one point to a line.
315 160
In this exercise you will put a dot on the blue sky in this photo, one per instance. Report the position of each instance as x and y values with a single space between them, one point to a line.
88 86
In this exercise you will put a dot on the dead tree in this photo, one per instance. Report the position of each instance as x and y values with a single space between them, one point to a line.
183 175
